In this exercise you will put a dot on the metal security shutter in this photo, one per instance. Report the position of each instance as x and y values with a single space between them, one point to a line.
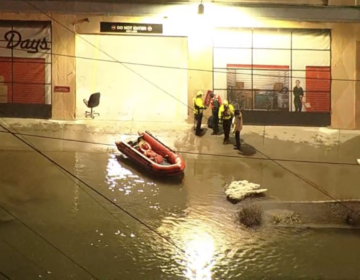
318 86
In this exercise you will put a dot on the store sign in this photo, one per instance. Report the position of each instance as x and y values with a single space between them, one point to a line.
125 27
14 39
61 89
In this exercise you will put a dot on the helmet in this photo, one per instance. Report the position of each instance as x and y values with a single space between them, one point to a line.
199 93
226 103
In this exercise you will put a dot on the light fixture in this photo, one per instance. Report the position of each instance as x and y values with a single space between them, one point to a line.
81 21
201 8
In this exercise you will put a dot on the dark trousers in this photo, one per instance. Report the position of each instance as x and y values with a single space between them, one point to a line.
198 118
215 124
237 139
227 127
298 105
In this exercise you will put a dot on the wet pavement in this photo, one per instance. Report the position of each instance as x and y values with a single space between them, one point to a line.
100 217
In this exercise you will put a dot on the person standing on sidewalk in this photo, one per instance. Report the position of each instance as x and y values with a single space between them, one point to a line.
298 96
226 114
215 104
198 112
238 124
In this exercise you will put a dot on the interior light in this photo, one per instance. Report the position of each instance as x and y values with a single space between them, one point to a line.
201 9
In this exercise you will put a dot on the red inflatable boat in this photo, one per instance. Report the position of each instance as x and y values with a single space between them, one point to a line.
153 155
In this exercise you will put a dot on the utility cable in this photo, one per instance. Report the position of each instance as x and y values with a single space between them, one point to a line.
189 152
141 76
308 182
4 275
45 240
147 80
25 257
156 86
92 188
105 53
219 69
276 161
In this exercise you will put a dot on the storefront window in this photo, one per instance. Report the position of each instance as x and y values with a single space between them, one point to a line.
311 72
281 70
25 63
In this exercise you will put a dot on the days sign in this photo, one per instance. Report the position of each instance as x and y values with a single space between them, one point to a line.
14 39
61 89
126 27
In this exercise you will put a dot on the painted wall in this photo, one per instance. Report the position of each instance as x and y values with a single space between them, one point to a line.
137 81
200 37
344 37
287 2
357 86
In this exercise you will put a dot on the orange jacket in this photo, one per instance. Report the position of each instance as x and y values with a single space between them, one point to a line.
212 101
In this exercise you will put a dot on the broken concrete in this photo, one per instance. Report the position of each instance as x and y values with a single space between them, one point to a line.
311 213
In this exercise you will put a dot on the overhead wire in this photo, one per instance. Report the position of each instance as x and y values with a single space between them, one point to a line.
219 70
84 183
77 179
189 152
25 257
308 182
4 275
73 175
144 224
91 188
147 80
151 83
47 241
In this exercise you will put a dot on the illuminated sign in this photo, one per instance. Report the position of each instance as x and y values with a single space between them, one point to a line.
125 27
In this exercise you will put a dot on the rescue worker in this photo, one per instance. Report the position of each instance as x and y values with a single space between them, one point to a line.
198 111
215 103
226 114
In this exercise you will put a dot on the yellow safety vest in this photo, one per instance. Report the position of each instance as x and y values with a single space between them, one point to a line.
198 105
226 114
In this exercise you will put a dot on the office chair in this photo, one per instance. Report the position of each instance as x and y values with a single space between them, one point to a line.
93 102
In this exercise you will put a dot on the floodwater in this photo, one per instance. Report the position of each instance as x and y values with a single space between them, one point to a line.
111 221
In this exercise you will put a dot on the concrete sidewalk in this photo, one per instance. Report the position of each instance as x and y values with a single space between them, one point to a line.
278 142
287 158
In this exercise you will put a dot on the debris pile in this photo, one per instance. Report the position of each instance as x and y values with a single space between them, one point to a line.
250 216
239 190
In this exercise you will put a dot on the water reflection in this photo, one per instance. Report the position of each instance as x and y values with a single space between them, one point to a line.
115 171
199 256
76 199
214 246
196 218
123 179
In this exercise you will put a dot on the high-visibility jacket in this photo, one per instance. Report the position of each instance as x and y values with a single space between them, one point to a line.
198 105
228 113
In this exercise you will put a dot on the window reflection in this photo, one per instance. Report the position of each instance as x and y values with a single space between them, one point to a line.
263 77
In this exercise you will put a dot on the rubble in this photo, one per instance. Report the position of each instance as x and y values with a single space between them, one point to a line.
239 190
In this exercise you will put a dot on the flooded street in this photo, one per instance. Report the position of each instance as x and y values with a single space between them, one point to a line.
100 217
